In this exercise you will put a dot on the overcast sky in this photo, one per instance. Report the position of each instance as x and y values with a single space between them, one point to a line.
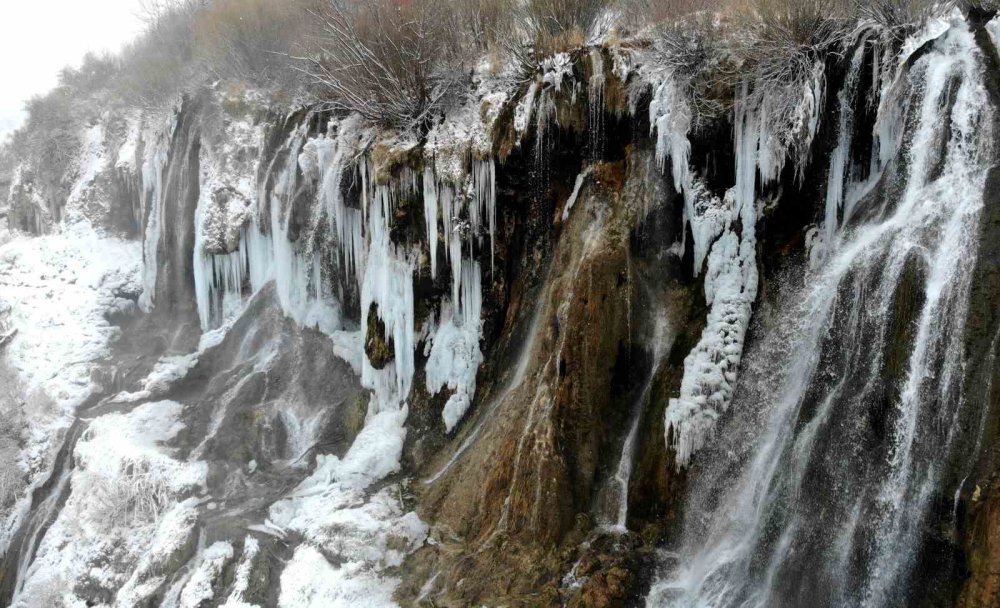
39 37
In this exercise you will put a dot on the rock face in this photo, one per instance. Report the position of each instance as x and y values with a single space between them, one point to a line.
511 360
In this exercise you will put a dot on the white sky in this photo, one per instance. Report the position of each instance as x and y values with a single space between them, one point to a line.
39 37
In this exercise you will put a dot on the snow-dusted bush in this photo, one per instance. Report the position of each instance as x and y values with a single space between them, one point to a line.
693 48
394 63
132 478
539 29
135 492
780 40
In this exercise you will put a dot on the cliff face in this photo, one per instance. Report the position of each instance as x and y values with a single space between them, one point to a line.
574 343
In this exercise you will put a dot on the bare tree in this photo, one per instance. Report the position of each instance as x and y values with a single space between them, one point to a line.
251 40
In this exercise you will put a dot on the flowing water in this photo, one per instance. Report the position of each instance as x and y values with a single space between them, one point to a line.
818 483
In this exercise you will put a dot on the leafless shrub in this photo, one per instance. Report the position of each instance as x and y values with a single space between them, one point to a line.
544 27
394 63
555 21
782 39
694 50
251 40
636 15
899 17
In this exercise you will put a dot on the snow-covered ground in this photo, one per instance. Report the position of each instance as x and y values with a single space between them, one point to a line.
118 527
58 289
55 291
332 510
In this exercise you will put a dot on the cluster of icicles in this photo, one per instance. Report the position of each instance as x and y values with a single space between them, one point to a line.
382 269
723 239
723 235
723 230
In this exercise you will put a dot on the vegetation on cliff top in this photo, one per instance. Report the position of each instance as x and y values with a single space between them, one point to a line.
401 62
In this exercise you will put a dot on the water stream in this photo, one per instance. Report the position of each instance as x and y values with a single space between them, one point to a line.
818 483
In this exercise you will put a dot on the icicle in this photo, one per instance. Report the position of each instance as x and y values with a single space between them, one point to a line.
484 174
431 216
596 119
841 156
525 109
730 288
707 215
388 283
455 356
152 191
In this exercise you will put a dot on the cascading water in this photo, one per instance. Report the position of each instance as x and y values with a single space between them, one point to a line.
818 483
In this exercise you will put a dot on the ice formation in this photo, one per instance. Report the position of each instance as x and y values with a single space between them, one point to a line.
123 474
730 289
454 356
153 168
794 422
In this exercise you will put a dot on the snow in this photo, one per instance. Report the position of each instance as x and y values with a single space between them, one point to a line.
241 580
173 532
200 587
136 452
119 511
309 581
56 345
366 534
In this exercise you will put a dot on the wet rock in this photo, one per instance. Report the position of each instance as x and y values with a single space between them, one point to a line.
379 350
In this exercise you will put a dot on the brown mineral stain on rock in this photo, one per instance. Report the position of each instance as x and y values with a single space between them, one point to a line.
982 589
510 512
